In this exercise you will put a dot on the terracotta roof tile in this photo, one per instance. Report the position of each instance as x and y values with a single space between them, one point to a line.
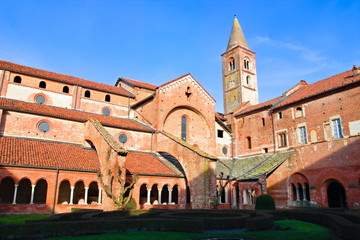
64 113
63 78
259 106
321 86
140 84
46 154
147 163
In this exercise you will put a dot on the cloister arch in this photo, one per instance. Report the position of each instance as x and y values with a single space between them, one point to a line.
335 192
64 192
40 191
7 189
24 191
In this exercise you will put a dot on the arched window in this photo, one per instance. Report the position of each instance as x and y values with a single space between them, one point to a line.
293 192
248 80
165 195
222 195
87 94
17 79
301 191
175 195
298 112
65 89
247 63
183 128
42 84
64 192
248 142
143 194
232 64
107 98
40 192
7 188
93 193
79 193
154 195
24 191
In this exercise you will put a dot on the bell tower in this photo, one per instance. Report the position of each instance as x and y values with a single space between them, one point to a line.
238 71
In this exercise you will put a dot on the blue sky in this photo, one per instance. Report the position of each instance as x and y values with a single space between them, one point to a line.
157 41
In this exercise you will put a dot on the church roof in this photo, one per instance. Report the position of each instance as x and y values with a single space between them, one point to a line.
307 91
251 168
135 83
63 113
64 78
237 37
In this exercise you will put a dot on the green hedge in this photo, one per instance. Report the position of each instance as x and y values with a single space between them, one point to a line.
265 202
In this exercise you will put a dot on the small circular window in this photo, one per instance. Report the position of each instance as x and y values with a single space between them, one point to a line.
123 138
106 111
224 150
44 127
40 99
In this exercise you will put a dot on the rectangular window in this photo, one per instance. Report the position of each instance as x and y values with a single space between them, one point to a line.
302 134
280 115
263 122
282 137
337 128
220 133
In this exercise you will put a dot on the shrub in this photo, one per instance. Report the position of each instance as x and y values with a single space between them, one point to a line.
265 202
131 205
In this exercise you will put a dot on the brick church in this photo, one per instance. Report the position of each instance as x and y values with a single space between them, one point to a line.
63 138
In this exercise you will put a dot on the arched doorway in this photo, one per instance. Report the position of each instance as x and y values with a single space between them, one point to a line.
336 195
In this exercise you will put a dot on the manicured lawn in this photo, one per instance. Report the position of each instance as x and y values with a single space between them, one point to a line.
291 229
8 219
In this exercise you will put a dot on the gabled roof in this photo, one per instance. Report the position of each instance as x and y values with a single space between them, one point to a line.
251 168
63 78
189 76
322 86
46 154
51 111
135 83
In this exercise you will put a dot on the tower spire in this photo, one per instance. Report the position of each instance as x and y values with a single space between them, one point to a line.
237 37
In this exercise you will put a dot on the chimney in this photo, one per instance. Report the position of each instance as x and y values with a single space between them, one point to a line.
356 70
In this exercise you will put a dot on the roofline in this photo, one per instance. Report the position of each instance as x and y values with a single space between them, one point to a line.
185 75
327 92
50 168
134 85
63 81
219 121
238 46
135 105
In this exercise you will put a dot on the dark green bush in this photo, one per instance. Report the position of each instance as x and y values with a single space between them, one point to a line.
131 205
265 202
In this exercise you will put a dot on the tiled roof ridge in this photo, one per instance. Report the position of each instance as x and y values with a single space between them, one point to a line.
45 140
167 163
189 146
148 98
107 137
14 67
221 123
266 104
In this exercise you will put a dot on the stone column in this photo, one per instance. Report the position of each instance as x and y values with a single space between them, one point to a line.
71 194
15 193
297 194
86 195
304 193
148 197
159 197
32 194
226 195
170 196
99 197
